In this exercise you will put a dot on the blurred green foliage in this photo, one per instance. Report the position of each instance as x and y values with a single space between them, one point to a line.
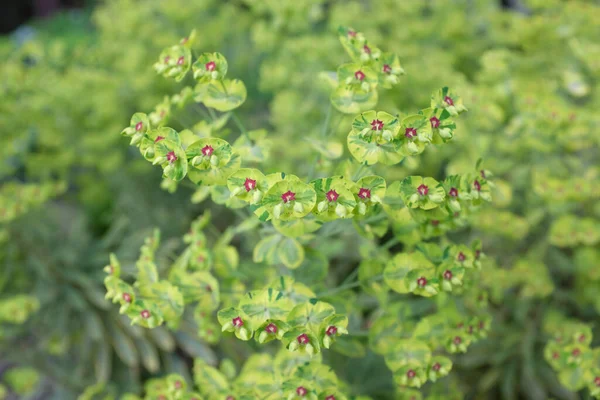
71 192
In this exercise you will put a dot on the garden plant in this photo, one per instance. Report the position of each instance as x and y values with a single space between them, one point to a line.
286 200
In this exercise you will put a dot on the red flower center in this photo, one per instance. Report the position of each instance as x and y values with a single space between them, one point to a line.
435 122
207 150
367 49
177 385
435 222
477 185
145 314
482 173
288 196
597 381
377 125
448 101
230 398
158 139
237 322
127 297
582 338
411 374
387 69
410 133
250 184
301 391
332 195
167 58
332 330
555 355
576 353
453 192
364 193
447 274
210 66
423 190
359 75
457 340
422 281
331 397
180 60
271 328
303 339
477 254
436 367
138 126
351 33
171 157
461 257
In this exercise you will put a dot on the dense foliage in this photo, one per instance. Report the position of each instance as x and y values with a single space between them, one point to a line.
322 225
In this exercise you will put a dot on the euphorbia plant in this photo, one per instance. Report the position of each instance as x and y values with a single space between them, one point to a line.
292 210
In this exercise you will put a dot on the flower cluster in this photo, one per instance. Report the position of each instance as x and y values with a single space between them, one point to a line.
286 311
570 354
17 198
17 309
379 137
359 80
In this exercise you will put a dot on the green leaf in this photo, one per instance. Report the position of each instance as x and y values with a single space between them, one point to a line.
263 305
225 95
310 316
290 252
352 101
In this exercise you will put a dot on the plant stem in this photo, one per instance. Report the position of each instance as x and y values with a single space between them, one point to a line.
390 243
327 119
324 132
347 286
240 125
213 116
358 172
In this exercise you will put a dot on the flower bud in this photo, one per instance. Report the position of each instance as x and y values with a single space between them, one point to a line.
214 160
365 86
214 75
362 208
446 133
256 196
149 152
293 345
228 326
414 198
298 207
197 161
327 340
277 210
412 147
310 350
340 211
387 135
436 198
263 336
244 333
136 139
454 205
159 160
236 191
322 206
